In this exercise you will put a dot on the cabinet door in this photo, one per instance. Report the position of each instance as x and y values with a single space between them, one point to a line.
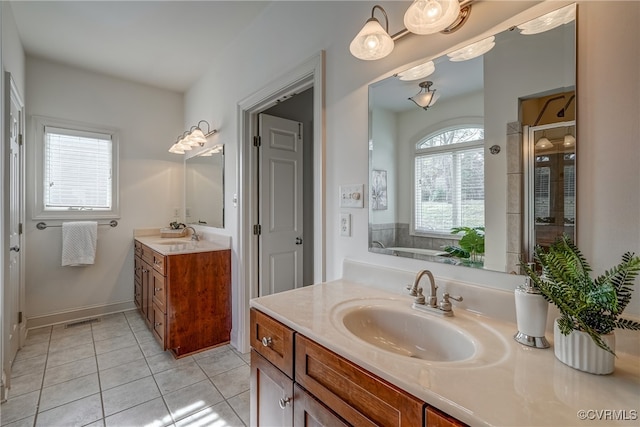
308 412
146 292
271 394
158 291
357 396
159 324
436 418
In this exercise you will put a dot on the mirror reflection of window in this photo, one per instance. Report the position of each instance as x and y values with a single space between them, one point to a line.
449 180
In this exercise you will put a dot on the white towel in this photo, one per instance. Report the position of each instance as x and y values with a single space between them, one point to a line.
79 242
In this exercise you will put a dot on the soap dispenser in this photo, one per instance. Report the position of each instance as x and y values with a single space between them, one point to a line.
531 315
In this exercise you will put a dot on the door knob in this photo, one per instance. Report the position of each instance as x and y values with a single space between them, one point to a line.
298 240
15 248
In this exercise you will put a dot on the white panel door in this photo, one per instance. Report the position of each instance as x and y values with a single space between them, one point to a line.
13 199
280 205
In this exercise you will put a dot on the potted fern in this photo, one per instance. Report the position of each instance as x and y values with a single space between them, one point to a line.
590 309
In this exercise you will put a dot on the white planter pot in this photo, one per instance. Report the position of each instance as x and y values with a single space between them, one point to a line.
580 352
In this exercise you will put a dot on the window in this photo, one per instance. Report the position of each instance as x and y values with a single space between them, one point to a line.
449 180
79 171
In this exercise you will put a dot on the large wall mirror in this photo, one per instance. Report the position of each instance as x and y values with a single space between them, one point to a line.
204 188
458 175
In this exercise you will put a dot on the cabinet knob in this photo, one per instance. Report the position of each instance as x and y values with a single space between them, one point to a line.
284 402
266 341
156 324
157 289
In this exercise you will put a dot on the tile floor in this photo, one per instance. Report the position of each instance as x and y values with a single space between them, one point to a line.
113 373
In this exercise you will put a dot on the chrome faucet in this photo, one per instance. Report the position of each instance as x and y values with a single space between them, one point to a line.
431 302
194 235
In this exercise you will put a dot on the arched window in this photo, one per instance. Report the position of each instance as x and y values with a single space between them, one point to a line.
449 180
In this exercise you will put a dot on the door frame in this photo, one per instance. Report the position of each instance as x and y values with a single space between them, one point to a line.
308 74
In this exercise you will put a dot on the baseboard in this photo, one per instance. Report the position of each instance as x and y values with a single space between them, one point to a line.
78 314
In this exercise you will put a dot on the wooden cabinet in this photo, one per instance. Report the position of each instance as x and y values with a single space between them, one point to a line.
296 381
185 298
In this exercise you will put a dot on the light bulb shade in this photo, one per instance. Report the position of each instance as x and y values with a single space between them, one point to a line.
372 42
431 16
543 143
184 144
176 149
569 140
197 138
473 50
418 72
549 21
426 97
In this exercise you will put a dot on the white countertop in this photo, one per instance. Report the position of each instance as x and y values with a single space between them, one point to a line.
504 384
179 246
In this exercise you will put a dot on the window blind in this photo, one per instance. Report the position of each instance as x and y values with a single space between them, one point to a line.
78 170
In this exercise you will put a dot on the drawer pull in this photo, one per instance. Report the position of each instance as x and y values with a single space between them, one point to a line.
157 289
156 324
284 402
266 341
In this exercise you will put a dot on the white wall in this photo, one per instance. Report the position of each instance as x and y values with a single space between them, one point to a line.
151 183
385 157
287 33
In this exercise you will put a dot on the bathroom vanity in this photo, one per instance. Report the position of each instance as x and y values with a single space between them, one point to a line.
183 290
311 362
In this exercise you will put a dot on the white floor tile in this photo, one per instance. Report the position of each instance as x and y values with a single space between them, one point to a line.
241 405
177 378
70 355
191 399
77 413
61 373
128 395
219 363
152 414
233 382
25 384
28 366
68 391
119 357
218 415
19 407
123 374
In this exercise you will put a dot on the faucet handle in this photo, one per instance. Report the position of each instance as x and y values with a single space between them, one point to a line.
412 291
445 304
419 297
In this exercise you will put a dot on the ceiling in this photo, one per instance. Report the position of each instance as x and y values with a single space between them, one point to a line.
166 44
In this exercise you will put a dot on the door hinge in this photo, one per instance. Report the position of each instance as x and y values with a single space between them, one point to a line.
299 131
257 141
19 317
20 139
20 228
257 229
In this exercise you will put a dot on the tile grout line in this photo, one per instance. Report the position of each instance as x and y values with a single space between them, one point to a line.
44 373
95 354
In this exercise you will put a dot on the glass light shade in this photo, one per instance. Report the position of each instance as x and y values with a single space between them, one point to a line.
473 50
418 72
431 16
426 98
176 149
197 138
184 144
372 42
543 143
549 21
569 140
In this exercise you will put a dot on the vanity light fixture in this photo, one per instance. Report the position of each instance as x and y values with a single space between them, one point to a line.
214 150
426 97
422 17
473 50
549 20
418 72
194 137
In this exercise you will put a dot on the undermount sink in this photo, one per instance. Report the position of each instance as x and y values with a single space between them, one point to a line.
409 334
173 242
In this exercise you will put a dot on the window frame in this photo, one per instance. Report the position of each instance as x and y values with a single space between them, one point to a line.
450 125
39 210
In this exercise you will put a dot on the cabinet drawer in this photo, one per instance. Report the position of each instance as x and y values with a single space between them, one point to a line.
272 340
159 263
137 248
146 253
356 395
159 292
159 324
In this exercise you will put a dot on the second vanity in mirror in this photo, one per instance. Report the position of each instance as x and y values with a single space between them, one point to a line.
479 166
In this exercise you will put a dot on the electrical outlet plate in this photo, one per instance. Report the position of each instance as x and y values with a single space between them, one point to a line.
352 196
345 224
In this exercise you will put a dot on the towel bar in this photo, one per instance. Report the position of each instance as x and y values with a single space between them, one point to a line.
43 225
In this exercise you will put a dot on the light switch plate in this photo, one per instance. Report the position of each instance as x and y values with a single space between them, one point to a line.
345 224
352 196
